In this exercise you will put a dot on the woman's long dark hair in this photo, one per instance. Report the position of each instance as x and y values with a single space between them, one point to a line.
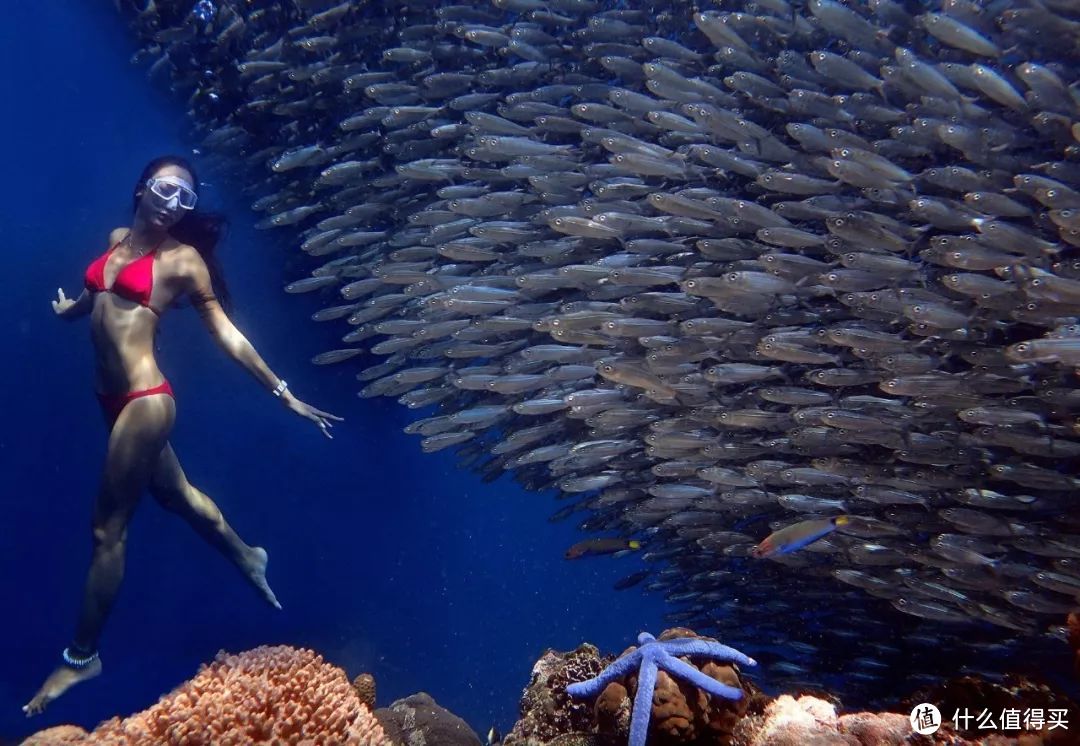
201 230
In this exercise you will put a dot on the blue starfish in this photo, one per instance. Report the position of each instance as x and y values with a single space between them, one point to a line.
651 655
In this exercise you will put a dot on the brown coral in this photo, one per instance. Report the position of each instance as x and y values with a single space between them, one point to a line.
547 711
279 695
364 684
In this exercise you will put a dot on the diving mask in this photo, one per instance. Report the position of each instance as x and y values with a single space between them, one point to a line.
168 188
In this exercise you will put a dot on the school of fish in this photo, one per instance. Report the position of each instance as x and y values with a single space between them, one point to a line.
706 272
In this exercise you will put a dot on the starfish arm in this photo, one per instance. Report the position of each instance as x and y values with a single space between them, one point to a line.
685 671
642 712
617 669
706 649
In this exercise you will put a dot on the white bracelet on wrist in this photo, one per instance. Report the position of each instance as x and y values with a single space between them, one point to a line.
282 385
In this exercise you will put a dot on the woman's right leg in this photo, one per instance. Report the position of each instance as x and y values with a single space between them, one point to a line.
136 439
170 487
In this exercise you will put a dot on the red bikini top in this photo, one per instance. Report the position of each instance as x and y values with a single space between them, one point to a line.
134 281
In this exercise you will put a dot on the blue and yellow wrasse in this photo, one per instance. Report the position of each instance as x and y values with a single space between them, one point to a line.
792 538
601 546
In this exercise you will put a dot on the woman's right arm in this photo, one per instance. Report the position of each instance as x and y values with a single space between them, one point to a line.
69 309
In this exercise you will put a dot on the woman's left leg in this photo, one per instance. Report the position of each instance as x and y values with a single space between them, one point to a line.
171 488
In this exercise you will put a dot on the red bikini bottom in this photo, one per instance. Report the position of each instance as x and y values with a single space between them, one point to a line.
114 404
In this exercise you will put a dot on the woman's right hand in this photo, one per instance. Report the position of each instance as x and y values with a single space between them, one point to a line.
63 303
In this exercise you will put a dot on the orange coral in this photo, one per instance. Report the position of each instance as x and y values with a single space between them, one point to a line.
58 735
279 695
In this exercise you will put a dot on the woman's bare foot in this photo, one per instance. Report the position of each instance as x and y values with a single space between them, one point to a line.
59 681
255 569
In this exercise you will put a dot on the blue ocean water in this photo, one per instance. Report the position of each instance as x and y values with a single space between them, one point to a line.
386 560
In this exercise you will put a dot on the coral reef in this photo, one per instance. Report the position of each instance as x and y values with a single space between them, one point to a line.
278 695
654 670
284 695
681 713
418 720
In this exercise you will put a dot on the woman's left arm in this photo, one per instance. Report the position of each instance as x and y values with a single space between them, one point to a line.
237 346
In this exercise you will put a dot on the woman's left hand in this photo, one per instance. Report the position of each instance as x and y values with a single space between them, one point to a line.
319 417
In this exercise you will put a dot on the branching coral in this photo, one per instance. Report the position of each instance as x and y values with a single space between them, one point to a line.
279 695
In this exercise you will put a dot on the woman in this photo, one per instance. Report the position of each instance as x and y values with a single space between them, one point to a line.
165 255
